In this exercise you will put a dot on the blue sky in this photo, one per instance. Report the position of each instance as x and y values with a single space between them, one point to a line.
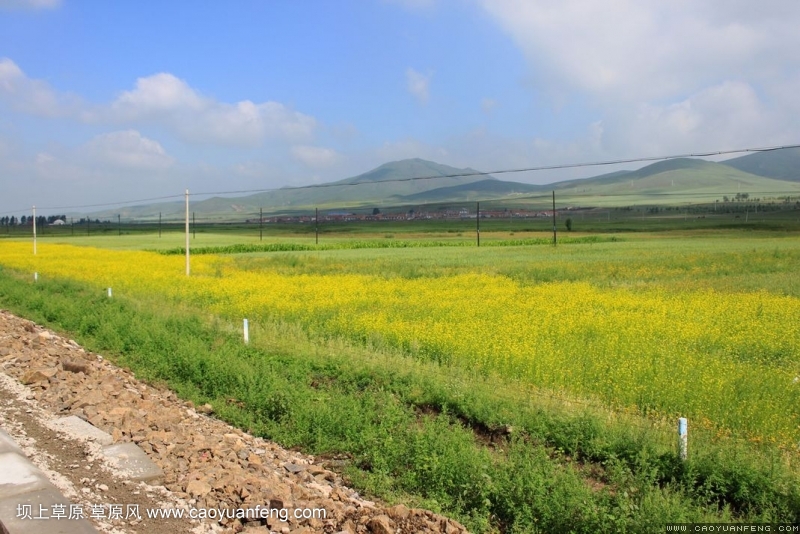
111 101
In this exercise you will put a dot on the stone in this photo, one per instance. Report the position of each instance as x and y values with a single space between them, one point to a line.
75 366
381 525
399 512
37 375
198 488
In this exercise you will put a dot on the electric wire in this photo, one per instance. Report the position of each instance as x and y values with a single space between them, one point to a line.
429 177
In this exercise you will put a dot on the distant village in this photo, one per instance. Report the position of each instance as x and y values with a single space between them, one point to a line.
407 215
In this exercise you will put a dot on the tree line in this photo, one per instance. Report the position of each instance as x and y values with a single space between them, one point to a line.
28 220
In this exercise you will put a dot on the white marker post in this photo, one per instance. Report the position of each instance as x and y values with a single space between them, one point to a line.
35 277
246 328
34 230
109 292
683 438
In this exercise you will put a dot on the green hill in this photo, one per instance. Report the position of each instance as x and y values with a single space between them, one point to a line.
779 164
675 181
481 190
679 180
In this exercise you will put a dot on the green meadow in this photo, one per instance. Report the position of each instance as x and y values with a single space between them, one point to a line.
500 453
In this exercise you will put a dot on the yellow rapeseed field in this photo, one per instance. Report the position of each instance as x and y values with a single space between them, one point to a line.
727 358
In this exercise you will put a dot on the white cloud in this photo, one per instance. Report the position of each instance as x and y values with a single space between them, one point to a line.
665 77
729 115
418 84
645 49
128 150
35 97
165 100
315 157
158 94
29 4
488 105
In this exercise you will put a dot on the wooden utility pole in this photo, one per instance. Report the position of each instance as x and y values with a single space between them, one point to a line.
187 232
554 218
478 222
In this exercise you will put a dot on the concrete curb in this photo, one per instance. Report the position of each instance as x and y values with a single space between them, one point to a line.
29 502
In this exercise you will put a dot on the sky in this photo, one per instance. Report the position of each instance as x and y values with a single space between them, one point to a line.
104 102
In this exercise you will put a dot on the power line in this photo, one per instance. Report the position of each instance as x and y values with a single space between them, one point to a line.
432 177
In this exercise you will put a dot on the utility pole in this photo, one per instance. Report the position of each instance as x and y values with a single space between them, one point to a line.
34 230
187 232
316 226
554 218
478 222
261 224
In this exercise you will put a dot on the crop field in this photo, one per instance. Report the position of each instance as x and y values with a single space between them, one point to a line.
648 327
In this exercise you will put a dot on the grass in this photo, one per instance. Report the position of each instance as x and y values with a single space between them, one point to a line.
500 453
425 434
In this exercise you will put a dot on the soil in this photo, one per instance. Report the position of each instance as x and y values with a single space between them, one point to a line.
206 463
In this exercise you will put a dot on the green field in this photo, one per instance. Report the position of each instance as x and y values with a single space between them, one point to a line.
424 369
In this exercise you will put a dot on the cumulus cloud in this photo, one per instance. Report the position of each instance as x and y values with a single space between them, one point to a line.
728 115
127 149
35 97
665 76
168 101
645 49
418 84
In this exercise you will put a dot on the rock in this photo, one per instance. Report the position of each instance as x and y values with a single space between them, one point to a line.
381 525
37 375
399 512
204 461
198 488
294 468
75 366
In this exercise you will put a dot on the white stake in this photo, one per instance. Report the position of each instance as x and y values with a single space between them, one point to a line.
109 292
35 277
683 437
246 332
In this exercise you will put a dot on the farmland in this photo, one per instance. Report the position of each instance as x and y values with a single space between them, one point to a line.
474 379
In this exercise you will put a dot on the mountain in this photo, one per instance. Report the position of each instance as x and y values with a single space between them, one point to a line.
781 164
413 168
681 180
683 176
480 190
389 182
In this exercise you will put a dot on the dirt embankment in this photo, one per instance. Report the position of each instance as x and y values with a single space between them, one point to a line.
206 463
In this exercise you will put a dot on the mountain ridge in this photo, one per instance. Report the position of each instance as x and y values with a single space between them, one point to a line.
420 181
